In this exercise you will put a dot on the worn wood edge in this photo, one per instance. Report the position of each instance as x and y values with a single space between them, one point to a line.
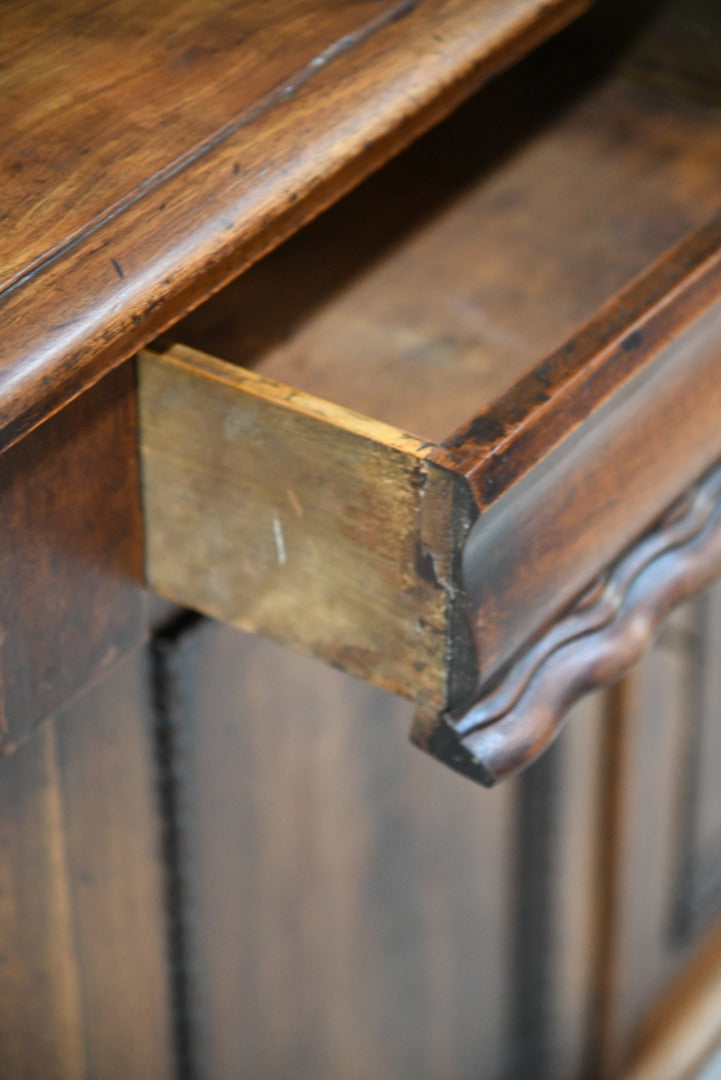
566 517
444 513
500 445
195 258
245 381
508 37
591 646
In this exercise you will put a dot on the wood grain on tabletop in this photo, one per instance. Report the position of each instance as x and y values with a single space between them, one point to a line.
83 976
71 554
157 149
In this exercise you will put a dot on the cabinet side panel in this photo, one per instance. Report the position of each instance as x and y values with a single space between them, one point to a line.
40 1019
105 752
71 554
83 980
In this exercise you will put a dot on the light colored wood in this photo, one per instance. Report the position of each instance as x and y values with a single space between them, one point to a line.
288 516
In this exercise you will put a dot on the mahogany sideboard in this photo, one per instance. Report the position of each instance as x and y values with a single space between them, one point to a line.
389 331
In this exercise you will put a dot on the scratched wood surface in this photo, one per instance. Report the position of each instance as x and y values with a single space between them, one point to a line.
156 149
292 517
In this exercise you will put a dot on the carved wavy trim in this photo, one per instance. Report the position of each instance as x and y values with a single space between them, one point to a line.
595 643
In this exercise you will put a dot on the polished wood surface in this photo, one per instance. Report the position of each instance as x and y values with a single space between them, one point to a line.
227 841
597 642
188 140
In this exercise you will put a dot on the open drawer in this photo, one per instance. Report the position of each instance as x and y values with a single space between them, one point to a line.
497 570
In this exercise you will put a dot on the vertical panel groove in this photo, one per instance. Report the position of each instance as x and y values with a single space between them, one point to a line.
530 1050
167 754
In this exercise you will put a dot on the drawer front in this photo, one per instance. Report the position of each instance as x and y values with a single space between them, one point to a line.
496 575
448 573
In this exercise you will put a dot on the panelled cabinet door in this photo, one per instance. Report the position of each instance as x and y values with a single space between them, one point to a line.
664 812
349 910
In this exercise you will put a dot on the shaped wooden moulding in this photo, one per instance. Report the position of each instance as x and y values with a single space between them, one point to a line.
493 579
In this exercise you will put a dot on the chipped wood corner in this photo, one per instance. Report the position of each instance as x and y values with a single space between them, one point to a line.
291 517
592 644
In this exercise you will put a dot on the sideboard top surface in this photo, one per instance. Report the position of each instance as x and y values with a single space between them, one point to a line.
151 151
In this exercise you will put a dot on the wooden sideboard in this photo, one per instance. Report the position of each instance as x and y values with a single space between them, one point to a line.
259 264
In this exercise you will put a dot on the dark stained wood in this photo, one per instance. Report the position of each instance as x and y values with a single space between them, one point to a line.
698 896
498 446
82 961
681 50
608 631
640 384
340 907
359 326
356 326
149 192
644 374
71 554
